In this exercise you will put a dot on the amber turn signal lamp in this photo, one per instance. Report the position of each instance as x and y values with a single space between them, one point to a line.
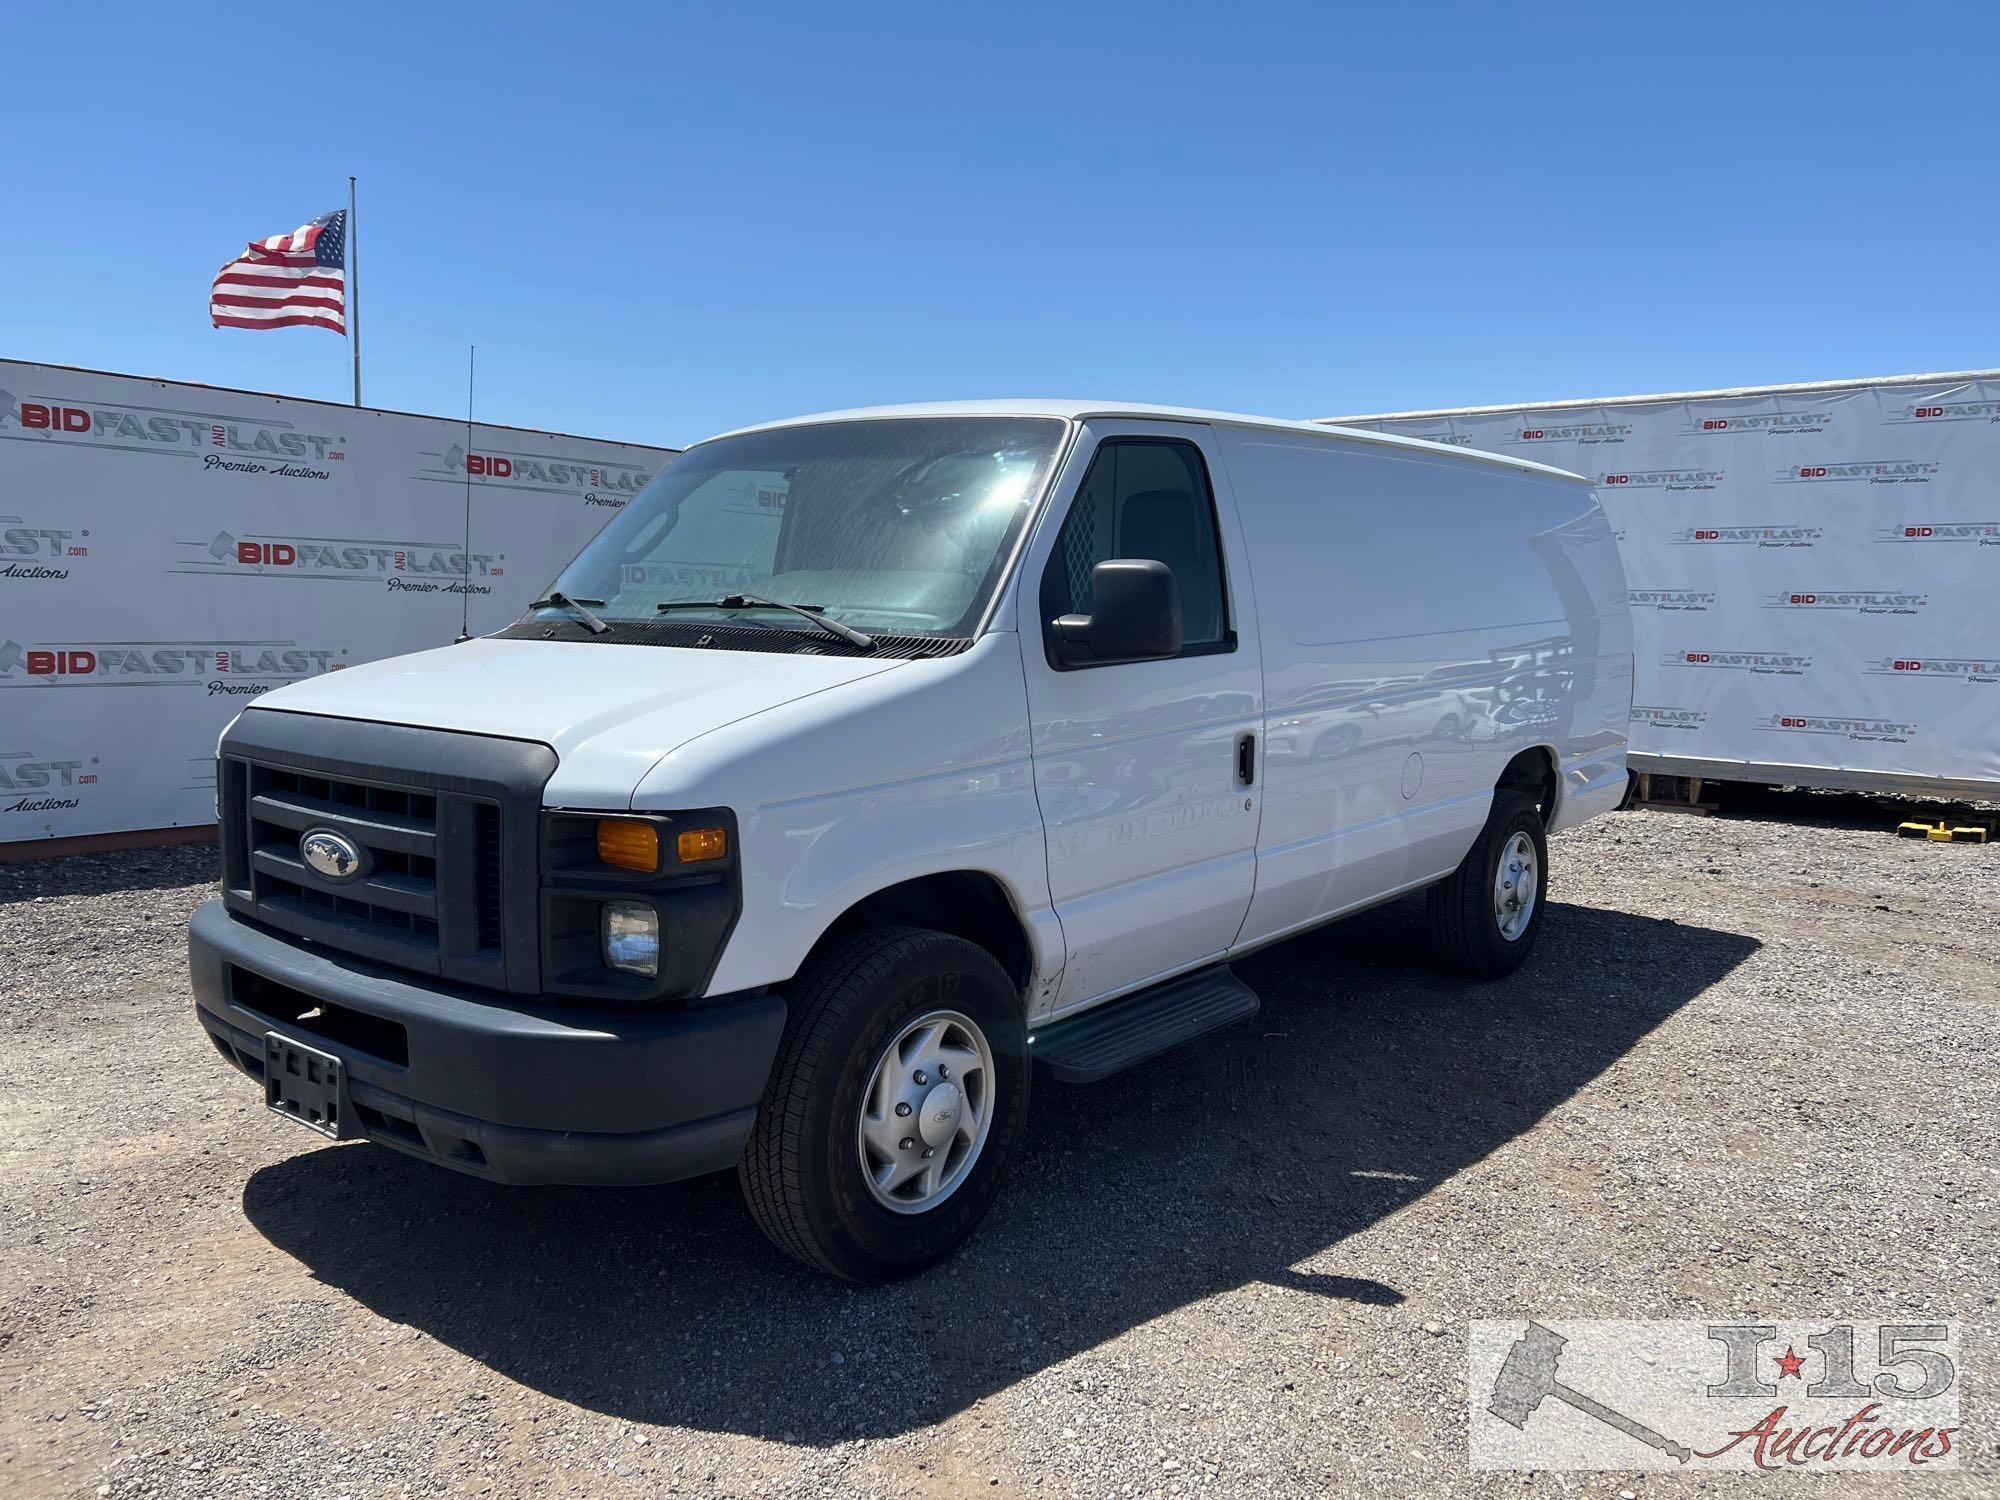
629 845
697 844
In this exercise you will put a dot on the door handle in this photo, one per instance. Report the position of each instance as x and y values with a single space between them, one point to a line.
1246 759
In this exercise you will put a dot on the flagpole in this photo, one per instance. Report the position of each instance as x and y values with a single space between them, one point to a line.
354 290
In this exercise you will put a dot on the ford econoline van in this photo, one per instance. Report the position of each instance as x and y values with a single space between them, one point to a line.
866 764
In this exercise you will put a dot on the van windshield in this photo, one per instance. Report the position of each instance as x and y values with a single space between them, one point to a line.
900 527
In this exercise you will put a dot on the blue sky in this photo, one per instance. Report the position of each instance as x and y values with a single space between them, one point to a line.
658 222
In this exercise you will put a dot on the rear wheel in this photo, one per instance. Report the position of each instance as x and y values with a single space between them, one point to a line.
1486 914
894 1105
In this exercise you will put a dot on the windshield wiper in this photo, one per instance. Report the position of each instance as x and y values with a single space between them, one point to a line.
812 612
574 608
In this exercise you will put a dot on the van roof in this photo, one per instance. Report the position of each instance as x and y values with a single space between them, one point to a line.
1076 411
1805 388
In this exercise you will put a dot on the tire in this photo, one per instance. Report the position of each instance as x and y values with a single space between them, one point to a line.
803 1173
1470 929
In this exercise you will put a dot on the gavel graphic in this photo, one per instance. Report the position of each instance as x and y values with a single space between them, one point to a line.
1528 1376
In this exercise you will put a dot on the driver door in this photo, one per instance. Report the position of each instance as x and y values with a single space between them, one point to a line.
1146 771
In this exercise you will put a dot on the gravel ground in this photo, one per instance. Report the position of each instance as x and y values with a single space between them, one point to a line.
1752 1069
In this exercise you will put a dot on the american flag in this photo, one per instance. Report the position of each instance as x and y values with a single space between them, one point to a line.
286 281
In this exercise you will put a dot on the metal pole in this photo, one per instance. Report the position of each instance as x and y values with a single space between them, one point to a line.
354 289
465 557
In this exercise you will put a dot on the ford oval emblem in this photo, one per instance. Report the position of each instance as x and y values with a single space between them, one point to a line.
330 854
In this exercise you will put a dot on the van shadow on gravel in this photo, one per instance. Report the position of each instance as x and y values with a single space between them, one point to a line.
1367 1079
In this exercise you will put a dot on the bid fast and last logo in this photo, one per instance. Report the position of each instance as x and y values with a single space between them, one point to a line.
1673 601
1854 601
1976 533
1584 434
1844 726
1983 670
220 669
34 553
606 483
1946 411
1862 471
1667 716
1769 423
1668 481
1757 663
32 783
225 442
403 567
1748 536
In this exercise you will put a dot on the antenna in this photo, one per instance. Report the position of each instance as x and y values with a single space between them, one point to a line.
465 557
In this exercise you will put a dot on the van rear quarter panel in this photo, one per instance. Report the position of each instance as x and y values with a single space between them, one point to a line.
1425 618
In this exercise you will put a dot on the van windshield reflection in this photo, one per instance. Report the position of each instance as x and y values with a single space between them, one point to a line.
900 526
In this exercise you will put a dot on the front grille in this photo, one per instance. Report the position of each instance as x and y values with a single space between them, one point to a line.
393 905
445 826
487 909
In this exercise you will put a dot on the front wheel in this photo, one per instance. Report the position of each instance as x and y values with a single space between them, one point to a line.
893 1107
1486 914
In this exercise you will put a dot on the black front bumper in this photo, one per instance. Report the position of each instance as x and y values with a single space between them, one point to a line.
510 1089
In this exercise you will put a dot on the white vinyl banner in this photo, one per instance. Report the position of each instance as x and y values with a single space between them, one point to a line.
169 552
1814 572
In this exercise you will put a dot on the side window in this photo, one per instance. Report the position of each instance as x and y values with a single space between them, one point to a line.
1150 498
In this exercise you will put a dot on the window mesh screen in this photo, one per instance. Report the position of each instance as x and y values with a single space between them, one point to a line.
1080 555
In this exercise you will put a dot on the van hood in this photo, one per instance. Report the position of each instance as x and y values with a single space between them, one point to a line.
611 713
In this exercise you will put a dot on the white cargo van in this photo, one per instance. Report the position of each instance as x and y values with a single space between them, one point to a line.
867 761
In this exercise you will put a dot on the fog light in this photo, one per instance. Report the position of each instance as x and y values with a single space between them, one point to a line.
629 844
697 844
632 937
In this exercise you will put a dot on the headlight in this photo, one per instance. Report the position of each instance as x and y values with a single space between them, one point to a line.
634 905
631 937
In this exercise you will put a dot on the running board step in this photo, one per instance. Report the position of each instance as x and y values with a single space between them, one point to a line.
1114 1037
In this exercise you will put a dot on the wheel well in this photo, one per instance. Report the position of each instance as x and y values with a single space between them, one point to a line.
964 903
1533 774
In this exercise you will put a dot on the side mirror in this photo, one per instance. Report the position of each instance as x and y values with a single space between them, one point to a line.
1135 616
